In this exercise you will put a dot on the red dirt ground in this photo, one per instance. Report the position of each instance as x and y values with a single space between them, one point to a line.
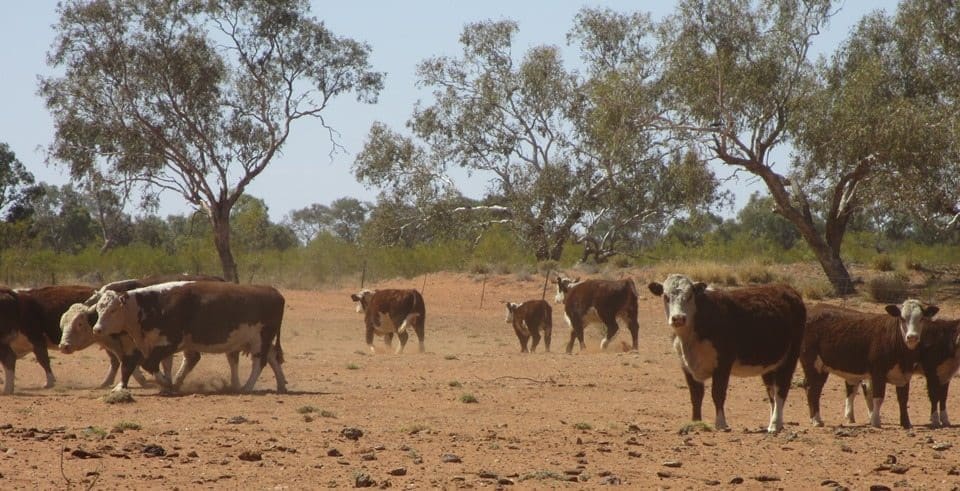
540 421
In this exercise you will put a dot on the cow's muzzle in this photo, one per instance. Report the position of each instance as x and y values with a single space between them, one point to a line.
678 320
66 348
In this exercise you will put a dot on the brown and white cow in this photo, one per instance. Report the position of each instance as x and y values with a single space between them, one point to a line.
858 346
30 322
744 332
529 319
388 312
607 302
940 361
77 326
198 317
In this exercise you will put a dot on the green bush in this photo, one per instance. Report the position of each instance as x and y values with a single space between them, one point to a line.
887 288
882 262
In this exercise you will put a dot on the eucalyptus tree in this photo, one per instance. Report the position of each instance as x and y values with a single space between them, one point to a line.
567 153
194 96
741 81
15 180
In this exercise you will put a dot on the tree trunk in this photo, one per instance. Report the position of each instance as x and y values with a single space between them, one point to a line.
828 255
220 220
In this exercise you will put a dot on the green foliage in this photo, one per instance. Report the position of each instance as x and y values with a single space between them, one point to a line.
882 262
468 399
887 288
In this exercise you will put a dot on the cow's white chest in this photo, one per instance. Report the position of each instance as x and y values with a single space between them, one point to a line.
244 337
699 357
21 346
850 377
385 324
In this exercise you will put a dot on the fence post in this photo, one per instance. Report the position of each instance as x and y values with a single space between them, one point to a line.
546 279
483 290
363 274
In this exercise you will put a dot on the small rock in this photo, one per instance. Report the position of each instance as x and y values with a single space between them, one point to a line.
487 475
610 481
83 454
351 433
505 482
954 471
154 451
250 456
829 482
192 454
879 487
712 482
672 463
363 480
449 458
664 474
334 453
941 447
736 480
766 478
368 457
236 420
634 454
891 459
399 471
899 469
573 472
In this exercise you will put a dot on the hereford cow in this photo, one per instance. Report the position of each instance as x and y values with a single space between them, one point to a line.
77 325
198 317
391 311
529 319
745 332
857 346
607 302
29 322
940 360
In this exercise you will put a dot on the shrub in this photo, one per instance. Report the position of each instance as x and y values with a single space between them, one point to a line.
882 262
468 399
814 289
887 288
583 426
754 272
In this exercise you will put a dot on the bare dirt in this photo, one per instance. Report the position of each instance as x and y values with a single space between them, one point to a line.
541 420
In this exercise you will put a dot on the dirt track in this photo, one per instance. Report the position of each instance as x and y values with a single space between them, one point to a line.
540 420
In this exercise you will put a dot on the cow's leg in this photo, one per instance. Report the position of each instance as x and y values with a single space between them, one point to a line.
815 382
718 390
903 396
696 395
612 327
43 358
535 336
369 337
944 420
522 337
190 360
112 371
547 331
9 361
276 365
419 327
388 339
634 327
848 402
167 366
776 397
129 366
878 384
151 363
233 359
255 369
402 337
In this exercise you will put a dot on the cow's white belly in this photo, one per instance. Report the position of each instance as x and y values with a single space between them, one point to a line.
897 377
850 377
21 346
699 357
592 318
740 370
245 338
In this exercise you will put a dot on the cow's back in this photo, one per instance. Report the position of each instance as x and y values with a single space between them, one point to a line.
757 325
396 302
42 307
601 294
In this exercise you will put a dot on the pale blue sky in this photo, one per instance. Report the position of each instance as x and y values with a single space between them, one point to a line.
401 34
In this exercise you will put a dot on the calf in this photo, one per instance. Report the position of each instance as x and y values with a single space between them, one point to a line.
77 326
861 346
745 332
29 322
529 319
606 302
198 317
391 311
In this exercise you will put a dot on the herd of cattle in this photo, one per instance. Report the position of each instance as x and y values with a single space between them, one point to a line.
752 331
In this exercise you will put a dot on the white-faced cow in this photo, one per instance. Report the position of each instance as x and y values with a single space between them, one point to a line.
940 361
77 326
198 317
606 302
859 346
744 332
388 312
529 319
30 322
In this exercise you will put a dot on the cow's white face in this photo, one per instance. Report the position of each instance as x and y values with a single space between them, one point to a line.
679 293
913 316
564 285
77 328
111 309
511 307
362 298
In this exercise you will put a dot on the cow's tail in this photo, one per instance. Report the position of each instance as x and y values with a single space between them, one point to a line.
277 349
633 287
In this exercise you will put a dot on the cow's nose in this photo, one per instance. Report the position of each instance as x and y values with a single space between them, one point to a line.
912 338
65 348
97 329
678 320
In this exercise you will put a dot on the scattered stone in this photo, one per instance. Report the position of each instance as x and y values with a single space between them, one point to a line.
766 478
844 432
363 480
487 475
449 458
899 469
573 472
829 482
879 487
736 480
193 454
634 454
611 481
942 446
672 463
250 456
154 451
236 420
954 471
579 441
664 474
399 471
83 454
334 453
604 473
351 433
846 448
891 459
711 482
368 457
505 482
580 454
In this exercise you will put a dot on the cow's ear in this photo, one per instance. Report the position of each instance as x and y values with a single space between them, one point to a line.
699 287
91 317
931 311
655 288
893 310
